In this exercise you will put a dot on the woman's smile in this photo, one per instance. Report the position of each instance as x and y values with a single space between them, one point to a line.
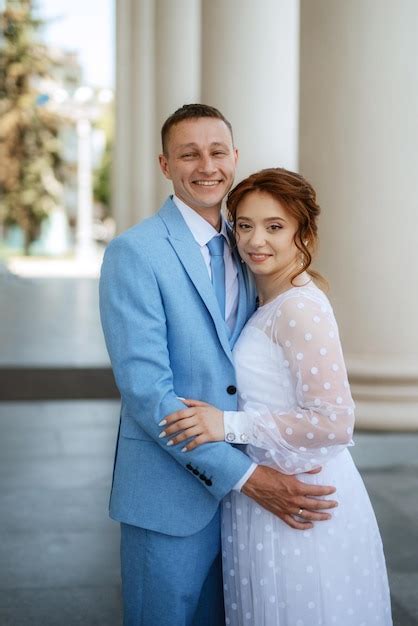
258 257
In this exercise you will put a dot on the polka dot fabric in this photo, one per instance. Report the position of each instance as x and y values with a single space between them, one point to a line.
295 346
297 412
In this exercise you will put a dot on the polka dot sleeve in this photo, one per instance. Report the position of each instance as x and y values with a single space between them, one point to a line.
321 423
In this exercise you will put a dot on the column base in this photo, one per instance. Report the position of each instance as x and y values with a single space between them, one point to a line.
385 390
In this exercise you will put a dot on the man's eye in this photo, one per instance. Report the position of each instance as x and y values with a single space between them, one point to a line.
188 155
219 153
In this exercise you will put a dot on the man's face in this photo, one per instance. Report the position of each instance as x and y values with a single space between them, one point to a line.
200 161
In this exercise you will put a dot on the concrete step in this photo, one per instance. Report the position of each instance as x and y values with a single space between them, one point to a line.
56 383
51 341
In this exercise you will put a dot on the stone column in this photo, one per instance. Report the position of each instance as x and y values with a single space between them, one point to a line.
157 70
178 62
133 159
359 137
250 71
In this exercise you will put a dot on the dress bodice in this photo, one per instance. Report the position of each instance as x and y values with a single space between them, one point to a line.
261 374
294 396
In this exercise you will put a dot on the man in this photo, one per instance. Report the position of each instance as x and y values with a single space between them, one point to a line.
174 298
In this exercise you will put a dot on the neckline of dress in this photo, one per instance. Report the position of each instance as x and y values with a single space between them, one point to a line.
282 293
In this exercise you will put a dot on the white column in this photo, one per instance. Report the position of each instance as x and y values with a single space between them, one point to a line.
251 73
178 65
133 161
359 132
157 70
84 234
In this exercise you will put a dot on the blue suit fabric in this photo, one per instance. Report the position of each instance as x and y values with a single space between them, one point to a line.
167 339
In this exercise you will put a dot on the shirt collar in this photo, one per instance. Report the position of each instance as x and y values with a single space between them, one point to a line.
201 230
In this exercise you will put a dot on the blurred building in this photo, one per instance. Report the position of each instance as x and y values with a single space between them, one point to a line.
329 88
65 92
67 69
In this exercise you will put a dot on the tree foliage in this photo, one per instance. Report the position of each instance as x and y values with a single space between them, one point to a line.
102 187
31 172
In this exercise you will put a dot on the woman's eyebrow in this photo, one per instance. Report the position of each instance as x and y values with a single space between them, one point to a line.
267 219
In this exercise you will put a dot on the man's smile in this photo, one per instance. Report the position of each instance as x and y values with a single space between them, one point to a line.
207 183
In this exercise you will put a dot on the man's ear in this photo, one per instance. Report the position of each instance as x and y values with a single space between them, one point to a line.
162 159
236 155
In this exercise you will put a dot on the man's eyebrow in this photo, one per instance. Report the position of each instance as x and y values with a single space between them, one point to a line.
182 146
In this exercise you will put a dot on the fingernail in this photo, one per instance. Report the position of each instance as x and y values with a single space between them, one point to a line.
184 449
162 423
162 434
170 443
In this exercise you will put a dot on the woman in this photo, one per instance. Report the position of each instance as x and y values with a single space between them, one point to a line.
295 414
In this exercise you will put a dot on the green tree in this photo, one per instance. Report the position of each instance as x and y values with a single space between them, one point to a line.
102 186
31 172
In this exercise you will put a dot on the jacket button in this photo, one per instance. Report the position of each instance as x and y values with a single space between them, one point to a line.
208 482
195 472
189 467
202 477
231 389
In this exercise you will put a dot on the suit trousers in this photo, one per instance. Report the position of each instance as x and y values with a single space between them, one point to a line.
172 581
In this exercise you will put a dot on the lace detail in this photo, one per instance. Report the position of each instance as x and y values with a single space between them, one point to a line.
303 414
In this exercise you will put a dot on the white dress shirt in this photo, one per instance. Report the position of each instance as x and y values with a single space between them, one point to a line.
203 232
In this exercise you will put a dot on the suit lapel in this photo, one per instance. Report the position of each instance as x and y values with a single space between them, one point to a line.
246 294
188 252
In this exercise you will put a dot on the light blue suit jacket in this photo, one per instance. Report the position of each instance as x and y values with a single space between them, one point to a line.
166 338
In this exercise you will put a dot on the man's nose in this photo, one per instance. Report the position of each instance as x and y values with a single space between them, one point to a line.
207 165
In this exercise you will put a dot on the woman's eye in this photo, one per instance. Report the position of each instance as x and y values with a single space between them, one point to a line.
275 227
243 226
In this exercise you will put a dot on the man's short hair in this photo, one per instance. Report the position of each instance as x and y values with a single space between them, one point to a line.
190 112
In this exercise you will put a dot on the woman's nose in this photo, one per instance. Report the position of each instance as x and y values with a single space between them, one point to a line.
257 238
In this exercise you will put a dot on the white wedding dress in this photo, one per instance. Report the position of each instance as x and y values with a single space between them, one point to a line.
296 413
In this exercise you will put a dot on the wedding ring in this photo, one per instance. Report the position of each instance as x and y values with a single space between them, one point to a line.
300 512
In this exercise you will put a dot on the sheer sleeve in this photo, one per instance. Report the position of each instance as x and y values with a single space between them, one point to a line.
321 422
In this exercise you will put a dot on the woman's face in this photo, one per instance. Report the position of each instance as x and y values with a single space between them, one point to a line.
265 235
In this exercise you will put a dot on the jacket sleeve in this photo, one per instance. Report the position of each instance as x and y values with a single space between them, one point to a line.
321 423
135 329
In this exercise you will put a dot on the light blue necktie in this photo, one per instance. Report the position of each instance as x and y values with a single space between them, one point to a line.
216 249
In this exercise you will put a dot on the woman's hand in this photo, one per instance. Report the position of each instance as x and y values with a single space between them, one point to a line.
201 421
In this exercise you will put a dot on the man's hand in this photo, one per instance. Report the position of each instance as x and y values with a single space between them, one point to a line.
286 497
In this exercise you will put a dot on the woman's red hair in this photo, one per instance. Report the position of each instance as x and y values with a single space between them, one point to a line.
298 197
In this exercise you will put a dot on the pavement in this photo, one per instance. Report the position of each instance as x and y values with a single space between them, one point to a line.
59 552
51 342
